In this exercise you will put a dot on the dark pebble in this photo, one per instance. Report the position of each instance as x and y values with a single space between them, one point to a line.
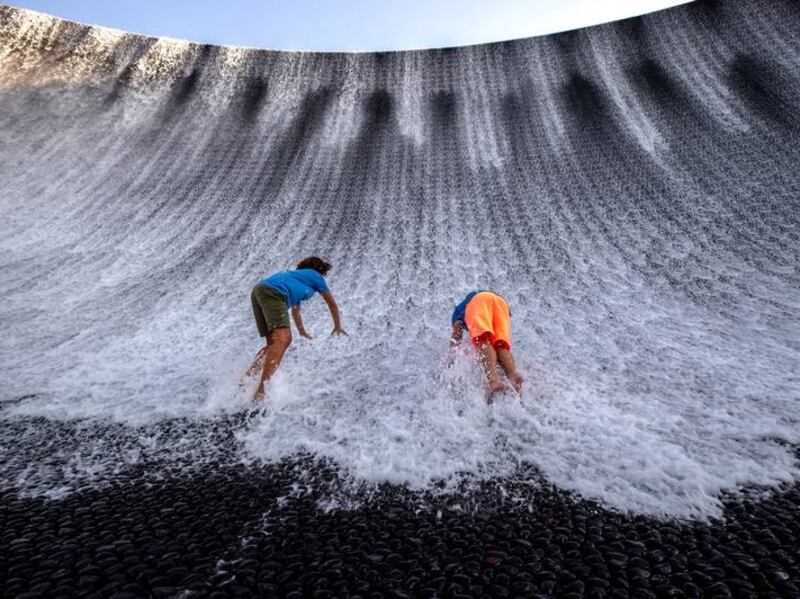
718 589
202 536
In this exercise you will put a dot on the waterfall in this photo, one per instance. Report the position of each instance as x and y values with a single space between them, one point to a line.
632 189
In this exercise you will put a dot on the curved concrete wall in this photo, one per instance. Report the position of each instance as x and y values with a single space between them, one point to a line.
631 188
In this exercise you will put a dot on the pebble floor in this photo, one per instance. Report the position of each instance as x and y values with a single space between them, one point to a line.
226 532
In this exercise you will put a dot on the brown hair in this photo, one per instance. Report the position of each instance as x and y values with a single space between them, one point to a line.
315 263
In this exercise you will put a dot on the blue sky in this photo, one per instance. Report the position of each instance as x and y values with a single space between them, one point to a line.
341 25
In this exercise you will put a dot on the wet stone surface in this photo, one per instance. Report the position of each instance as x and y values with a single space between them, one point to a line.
238 532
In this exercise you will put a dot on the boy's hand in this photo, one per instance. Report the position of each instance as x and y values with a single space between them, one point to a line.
339 331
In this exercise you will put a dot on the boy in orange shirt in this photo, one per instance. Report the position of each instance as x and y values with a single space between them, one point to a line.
487 319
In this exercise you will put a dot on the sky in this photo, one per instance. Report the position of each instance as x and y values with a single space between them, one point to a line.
344 25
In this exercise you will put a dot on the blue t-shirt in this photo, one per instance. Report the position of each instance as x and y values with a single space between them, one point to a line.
296 285
460 313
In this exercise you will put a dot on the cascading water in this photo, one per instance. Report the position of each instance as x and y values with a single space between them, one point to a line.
632 189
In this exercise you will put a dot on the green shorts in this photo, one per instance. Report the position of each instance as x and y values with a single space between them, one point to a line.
270 310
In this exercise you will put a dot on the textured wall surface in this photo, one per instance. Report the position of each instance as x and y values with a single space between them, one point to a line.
633 189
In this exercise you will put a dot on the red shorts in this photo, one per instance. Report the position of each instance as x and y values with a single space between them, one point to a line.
489 320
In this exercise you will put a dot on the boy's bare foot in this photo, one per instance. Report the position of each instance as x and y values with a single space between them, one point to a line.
516 381
259 395
493 389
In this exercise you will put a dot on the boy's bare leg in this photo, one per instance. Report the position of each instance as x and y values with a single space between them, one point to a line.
277 343
506 360
488 358
258 362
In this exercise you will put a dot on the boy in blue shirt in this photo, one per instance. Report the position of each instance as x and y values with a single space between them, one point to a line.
271 300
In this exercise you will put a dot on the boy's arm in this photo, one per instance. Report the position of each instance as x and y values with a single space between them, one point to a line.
337 323
458 333
298 322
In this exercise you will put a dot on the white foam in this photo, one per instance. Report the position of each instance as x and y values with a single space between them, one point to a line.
645 403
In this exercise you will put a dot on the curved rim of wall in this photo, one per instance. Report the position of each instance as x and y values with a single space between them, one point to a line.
258 49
